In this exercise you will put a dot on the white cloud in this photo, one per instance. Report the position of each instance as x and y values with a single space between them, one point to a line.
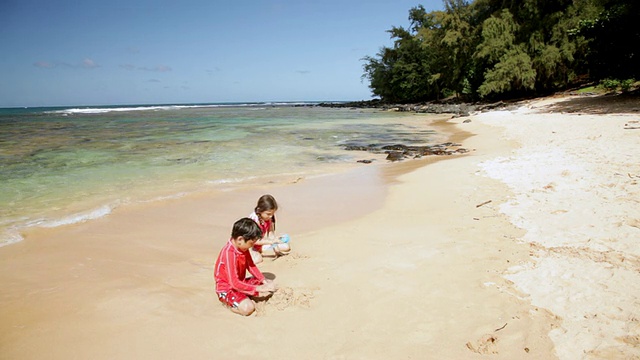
44 65
85 64
159 68
89 64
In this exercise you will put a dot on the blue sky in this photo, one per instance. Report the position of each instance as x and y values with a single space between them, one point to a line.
62 52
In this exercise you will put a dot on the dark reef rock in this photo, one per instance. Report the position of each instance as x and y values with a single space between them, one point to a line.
397 152
433 107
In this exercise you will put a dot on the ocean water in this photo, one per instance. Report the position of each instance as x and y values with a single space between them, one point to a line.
66 165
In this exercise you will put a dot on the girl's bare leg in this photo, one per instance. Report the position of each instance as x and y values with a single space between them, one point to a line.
284 247
281 249
255 256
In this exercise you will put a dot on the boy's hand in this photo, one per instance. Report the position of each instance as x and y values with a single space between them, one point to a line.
267 286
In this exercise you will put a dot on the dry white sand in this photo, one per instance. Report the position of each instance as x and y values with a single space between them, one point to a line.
576 192
523 248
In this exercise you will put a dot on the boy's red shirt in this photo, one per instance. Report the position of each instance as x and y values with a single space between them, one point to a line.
231 270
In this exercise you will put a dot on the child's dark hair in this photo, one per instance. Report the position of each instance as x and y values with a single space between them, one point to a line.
266 203
246 228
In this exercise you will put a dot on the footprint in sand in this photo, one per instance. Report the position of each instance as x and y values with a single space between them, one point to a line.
291 258
630 339
634 223
487 344
284 298
297 256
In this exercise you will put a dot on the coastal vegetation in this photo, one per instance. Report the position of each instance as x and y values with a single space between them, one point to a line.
504 49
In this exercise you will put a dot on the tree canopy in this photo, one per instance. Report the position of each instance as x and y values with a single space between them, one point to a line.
499 49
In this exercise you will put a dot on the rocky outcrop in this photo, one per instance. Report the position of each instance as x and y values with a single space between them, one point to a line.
458 109
400 152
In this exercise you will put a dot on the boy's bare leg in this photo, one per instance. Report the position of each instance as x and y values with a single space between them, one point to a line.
245 308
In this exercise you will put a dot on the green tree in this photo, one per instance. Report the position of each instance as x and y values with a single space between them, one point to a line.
511 69
458 39
612 30
402 73
505 48
544 33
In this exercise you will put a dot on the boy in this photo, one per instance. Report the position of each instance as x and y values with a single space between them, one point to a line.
233 288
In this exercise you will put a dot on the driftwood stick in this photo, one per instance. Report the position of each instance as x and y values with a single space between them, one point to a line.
484 203
500 328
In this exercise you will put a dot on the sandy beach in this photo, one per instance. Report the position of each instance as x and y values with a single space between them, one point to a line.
523 248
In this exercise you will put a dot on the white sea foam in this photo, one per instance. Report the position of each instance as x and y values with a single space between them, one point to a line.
121 109
166 197
10 236
230 181
75 218
295 174
100 110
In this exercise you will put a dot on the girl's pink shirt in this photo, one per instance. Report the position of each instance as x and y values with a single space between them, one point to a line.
265 226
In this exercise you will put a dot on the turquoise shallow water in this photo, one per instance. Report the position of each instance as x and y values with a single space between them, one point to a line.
66 165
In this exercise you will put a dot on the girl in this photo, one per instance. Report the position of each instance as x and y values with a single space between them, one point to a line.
264 216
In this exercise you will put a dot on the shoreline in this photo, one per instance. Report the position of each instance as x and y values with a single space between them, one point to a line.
85 198
410 261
